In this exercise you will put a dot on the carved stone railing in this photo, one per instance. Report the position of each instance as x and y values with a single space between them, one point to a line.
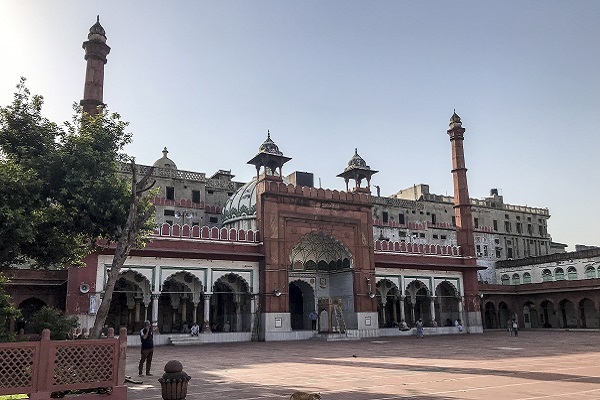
414 248
54 366
207 233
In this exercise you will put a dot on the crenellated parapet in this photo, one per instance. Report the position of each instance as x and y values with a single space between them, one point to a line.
417 248
206 233
312 193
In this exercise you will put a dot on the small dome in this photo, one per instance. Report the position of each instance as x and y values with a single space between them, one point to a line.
269 146
242 204
455 119
356 162
164 161
97 31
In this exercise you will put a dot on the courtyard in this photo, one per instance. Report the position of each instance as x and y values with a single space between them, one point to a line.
535 365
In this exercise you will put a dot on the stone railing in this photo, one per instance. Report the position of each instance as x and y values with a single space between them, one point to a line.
207 233
414 248
49 368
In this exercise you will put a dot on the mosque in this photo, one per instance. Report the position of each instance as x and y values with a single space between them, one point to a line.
278 259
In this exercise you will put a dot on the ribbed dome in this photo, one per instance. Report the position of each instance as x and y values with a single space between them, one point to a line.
356 161
242 204
164 161
269 146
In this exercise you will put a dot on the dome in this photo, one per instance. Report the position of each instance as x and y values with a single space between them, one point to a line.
164 161
242 204
455 119
269 146
97 31
356 162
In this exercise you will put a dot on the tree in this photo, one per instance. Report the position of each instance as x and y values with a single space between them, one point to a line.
61 192
7 312
55 320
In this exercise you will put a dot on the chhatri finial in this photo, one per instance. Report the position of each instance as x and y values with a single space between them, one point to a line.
165 152
98 18
268 134
356 151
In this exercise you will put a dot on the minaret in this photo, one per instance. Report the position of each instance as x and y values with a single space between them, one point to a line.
96 51
464 229
462 204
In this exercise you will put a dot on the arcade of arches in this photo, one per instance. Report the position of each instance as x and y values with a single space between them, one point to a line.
570 311
440 307
182 302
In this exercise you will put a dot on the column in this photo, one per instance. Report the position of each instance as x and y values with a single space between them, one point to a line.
412 311
395 311
383 304
137 310
206 322
184 310
460 311
432 311
402 315
155 311
253 312
238 317
195 316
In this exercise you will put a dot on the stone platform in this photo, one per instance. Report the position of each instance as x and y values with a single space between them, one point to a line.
536 365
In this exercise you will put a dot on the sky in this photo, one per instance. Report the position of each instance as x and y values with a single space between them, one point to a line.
207 79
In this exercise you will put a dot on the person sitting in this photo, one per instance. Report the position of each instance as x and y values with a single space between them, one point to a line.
185 328
403 325
195 329
458 325
226 327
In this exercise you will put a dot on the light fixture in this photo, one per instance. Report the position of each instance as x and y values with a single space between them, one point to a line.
372 295
277 292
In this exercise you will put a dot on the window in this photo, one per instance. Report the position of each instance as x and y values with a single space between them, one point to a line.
505 279
516 279
421 235
210 191
495 225
476 222
498 252
571 273
541 230
170 193
169 213
518 218
590 272
195 196
526 277
433 219
213 220
507 226
506 216
385 217
401 233
519 227
478 249
546 275
559 274
509 252
485 250
529 229
435 236
401 218
421 212
453 221
443 237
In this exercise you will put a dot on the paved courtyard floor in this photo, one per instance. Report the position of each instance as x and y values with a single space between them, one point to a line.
535 365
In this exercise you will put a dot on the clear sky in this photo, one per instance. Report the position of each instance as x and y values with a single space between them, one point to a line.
207 79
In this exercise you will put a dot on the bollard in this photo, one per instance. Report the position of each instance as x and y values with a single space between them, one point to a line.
174 381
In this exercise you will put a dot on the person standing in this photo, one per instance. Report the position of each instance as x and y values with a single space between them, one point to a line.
313 320
515 327
419 326
147 348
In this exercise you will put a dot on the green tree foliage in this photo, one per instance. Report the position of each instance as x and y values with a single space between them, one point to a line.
7 312
55 320
59 185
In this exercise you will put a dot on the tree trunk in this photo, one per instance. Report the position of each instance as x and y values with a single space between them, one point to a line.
126 242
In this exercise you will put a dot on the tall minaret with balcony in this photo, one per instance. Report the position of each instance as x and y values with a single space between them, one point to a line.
464 227
96 51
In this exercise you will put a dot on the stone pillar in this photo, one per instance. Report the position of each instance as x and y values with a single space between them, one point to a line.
402 315
155 297
383 304
184 310
412 311
253 298
432 310
238 317
195 316
460 310
137 310
395 311
206 322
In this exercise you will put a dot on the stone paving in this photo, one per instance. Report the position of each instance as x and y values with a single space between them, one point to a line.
545 365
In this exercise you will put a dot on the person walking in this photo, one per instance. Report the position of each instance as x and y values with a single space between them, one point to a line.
147 338
515 327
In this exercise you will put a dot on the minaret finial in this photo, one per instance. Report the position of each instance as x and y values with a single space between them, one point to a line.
268 134
356 150
98 18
